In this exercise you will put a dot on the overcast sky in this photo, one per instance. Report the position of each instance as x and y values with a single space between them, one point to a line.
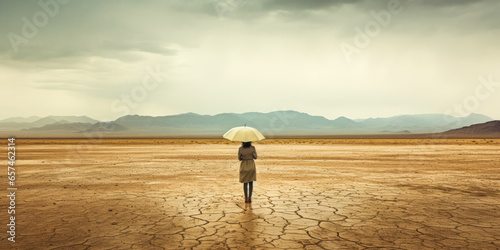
359 59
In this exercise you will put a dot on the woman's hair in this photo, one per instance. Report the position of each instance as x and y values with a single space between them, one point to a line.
246 144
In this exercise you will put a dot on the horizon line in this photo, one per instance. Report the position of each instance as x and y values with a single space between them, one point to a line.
288 110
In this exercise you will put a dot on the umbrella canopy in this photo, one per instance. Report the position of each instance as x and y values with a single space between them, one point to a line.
243 134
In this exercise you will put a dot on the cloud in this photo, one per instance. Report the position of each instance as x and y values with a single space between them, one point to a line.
286 52
451 3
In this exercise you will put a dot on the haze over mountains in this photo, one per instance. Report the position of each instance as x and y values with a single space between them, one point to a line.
34 122
277 123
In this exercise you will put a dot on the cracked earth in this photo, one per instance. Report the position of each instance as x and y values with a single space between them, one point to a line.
170 194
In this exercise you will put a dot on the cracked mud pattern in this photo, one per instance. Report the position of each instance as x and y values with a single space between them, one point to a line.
157 195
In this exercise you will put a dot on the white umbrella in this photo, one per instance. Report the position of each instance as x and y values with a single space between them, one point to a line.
243 134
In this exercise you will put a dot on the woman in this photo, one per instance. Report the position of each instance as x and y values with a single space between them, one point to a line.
248 174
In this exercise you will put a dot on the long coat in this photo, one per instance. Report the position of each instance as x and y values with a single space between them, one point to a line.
248 173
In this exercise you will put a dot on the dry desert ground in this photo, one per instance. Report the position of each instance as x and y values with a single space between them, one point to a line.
310 193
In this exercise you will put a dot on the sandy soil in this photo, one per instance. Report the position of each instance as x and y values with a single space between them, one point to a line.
154 194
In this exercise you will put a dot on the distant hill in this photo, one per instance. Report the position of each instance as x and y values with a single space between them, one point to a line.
294 123
63 127
487 128
20 119
104 127
42 122
20 123
424 123
81 119
277 123
266 122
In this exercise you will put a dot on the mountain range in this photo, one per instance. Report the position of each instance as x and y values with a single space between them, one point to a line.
277 123
34 122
